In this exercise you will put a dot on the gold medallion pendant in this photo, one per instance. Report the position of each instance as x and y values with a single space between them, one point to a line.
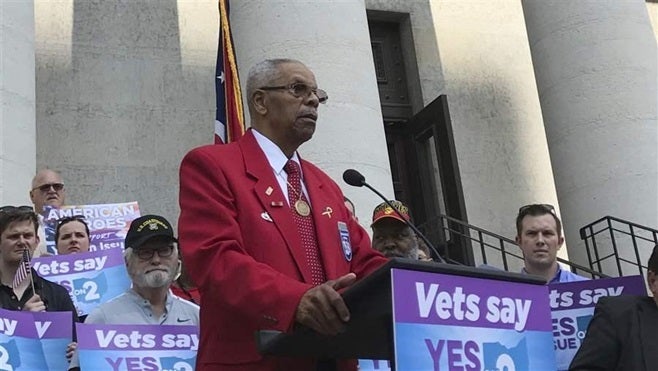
302 208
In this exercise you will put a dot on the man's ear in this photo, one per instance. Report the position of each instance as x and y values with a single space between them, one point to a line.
518 239
259 101
560 242
33 248
652 282
179 270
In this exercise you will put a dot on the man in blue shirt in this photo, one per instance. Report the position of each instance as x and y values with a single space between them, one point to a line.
539 235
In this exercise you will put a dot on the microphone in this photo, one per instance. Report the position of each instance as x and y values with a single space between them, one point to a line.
356 179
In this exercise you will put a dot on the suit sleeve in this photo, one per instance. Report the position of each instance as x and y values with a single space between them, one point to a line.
601 348
212 246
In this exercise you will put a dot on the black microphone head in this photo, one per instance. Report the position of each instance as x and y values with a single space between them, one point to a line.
354 178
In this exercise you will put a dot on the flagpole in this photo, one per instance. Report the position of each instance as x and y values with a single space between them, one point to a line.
29 259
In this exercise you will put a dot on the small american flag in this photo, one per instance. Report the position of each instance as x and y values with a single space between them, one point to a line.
23 270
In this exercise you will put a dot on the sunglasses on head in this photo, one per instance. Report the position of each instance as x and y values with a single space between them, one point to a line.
68 219
546 207
16 209
46 187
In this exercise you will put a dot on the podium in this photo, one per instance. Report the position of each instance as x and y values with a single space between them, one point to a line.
370 331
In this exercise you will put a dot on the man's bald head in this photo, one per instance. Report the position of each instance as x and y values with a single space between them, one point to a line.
47 189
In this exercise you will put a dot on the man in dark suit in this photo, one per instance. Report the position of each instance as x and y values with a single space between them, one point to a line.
623 333
266 235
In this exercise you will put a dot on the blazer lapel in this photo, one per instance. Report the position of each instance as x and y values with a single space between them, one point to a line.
648 327
271 197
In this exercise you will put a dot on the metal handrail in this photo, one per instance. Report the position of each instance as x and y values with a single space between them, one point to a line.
605 247
500 246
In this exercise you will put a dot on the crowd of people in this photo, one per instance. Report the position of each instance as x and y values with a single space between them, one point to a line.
269 241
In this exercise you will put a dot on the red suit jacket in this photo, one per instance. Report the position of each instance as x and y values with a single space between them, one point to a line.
241 246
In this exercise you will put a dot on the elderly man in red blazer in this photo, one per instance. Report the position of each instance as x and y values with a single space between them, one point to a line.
265 253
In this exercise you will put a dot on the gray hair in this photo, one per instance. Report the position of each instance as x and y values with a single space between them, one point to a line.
262 74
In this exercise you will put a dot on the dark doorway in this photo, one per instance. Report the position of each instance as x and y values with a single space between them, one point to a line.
433 176
421 150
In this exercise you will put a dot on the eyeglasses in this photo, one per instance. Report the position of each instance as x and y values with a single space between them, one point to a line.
67 219
148 254
545 207
46 187
300 90
16 209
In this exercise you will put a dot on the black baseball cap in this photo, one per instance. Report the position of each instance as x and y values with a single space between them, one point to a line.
147 226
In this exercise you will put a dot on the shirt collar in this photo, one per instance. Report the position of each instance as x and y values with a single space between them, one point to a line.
555 278
558 273
274 154
147 304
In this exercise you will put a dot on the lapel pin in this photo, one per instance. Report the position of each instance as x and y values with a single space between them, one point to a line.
266 216
277 204
269 191
327 212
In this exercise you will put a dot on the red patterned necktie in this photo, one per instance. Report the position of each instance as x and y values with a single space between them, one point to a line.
305 225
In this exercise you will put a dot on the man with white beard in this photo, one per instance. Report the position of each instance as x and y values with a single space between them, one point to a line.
151 257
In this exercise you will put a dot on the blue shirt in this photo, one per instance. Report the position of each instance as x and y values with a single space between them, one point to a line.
562 276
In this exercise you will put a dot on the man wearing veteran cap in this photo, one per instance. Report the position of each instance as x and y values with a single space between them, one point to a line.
390 234
151 257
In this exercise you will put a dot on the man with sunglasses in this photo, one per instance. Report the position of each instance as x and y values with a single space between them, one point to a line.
539 235
266 235
47 190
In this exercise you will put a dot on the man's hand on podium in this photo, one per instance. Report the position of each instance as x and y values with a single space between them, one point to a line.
323 309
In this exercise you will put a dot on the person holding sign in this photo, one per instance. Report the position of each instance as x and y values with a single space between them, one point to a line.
22 288
623 333
266 235
18 234
539 235
72 235
151 257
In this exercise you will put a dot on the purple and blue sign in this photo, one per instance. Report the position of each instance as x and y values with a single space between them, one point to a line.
108 223
137 347
572 306
447 322
26 338
91 278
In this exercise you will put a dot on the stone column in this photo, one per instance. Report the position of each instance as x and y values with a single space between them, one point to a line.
332 39
17 118
596 68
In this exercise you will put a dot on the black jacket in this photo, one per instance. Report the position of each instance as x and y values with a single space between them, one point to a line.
55 297
622 335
